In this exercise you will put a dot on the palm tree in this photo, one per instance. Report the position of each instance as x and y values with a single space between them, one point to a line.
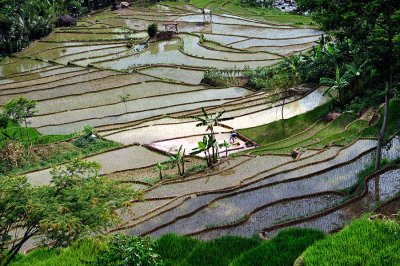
210 121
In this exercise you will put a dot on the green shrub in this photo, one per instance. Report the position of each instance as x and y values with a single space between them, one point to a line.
283 249
87 137
363 242
220 251
152 30
125 250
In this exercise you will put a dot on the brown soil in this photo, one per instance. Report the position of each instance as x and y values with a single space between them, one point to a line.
392 207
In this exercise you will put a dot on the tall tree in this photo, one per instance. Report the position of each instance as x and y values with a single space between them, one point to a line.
76 203
373 26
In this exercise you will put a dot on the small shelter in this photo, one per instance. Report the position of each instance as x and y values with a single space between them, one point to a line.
171 26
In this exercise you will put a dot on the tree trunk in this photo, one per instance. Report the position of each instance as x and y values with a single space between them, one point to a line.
179 169
27 133
183 165
14 251
381 134
283 120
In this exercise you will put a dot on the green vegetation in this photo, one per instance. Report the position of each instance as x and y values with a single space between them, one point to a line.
122 250
250 10
172 249
48 153
363 242
209 145
83 252
221 78
152 30
76 204
27 135
24 21
305 132
220 251
273 132
282 249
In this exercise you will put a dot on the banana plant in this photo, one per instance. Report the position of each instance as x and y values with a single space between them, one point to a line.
178 159
338 84
210 121
159 167
225 145
204 146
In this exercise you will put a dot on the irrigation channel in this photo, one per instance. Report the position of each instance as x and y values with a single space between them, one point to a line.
77 74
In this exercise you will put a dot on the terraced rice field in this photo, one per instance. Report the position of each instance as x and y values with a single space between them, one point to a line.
78 75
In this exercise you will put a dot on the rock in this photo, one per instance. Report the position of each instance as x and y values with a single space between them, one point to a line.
66 21
331 116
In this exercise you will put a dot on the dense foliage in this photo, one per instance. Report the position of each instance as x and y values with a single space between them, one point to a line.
122 250
76 203
24 21
152 30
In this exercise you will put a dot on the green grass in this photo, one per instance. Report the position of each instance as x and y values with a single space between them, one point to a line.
81 253
231 250
220 251
282 249
172 248
62 153
29 135
274 138
274 131
362 242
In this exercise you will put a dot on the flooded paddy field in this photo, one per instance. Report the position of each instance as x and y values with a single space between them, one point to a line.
143 94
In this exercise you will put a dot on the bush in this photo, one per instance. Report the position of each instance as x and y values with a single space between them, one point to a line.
363 242
274 78
152 30
283 249
87 137
125 250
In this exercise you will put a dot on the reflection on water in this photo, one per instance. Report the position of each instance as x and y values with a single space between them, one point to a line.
380 189
20 65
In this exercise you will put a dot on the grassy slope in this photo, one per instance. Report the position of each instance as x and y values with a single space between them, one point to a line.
81 253
274 131
52 149
60 153
236 7
362 242
26 134
178 250
266 134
